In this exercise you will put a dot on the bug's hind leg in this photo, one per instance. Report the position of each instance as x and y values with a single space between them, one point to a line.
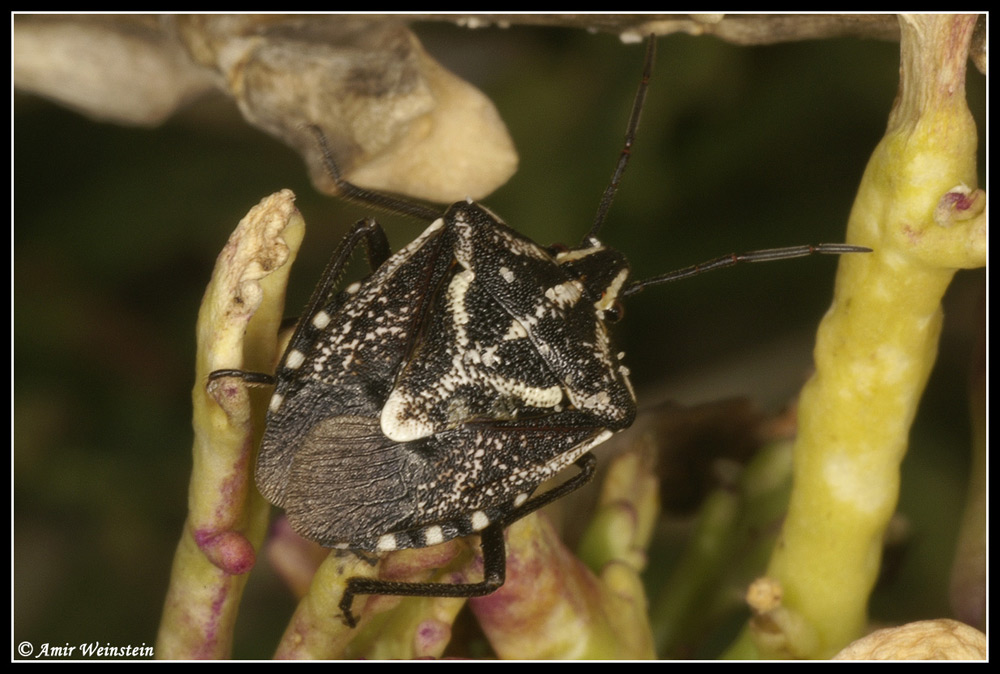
587 465
494 554
494 573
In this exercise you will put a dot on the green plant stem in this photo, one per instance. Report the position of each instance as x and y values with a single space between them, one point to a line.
227 518
918 210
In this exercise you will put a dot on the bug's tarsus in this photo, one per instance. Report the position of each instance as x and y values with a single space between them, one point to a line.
380 200
633 125
494 554
766 255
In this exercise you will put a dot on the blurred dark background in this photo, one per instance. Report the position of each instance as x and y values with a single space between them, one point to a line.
115 231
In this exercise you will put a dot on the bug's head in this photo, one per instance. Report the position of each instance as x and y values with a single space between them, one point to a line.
603 272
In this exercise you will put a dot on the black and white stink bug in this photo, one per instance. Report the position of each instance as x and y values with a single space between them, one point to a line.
429 400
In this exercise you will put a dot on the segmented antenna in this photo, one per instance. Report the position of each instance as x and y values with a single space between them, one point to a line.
767 255
633 124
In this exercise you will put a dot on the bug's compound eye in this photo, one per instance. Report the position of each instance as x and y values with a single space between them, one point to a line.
556 249
615 312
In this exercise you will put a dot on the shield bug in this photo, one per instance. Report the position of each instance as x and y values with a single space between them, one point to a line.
429 400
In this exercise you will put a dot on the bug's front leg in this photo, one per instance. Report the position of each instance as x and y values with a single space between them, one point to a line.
365 232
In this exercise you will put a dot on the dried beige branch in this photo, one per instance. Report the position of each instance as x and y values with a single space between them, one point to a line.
389 110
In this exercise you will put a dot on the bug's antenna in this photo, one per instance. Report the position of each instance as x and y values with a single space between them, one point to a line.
633 124
381 200
732 259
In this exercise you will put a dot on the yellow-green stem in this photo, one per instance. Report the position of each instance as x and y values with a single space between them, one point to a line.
227 518
918 209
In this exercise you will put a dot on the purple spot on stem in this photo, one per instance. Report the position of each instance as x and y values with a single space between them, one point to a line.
431 637
230 551
958 201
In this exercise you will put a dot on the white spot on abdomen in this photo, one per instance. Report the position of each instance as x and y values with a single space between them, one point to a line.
433 535
479 521
321 320
295 359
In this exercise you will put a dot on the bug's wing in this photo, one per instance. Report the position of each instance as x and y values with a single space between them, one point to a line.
347 483
345 356
375 494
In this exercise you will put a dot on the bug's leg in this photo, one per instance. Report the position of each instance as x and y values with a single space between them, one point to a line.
386 202
494 573
587 465
494 554
249 378
367 232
